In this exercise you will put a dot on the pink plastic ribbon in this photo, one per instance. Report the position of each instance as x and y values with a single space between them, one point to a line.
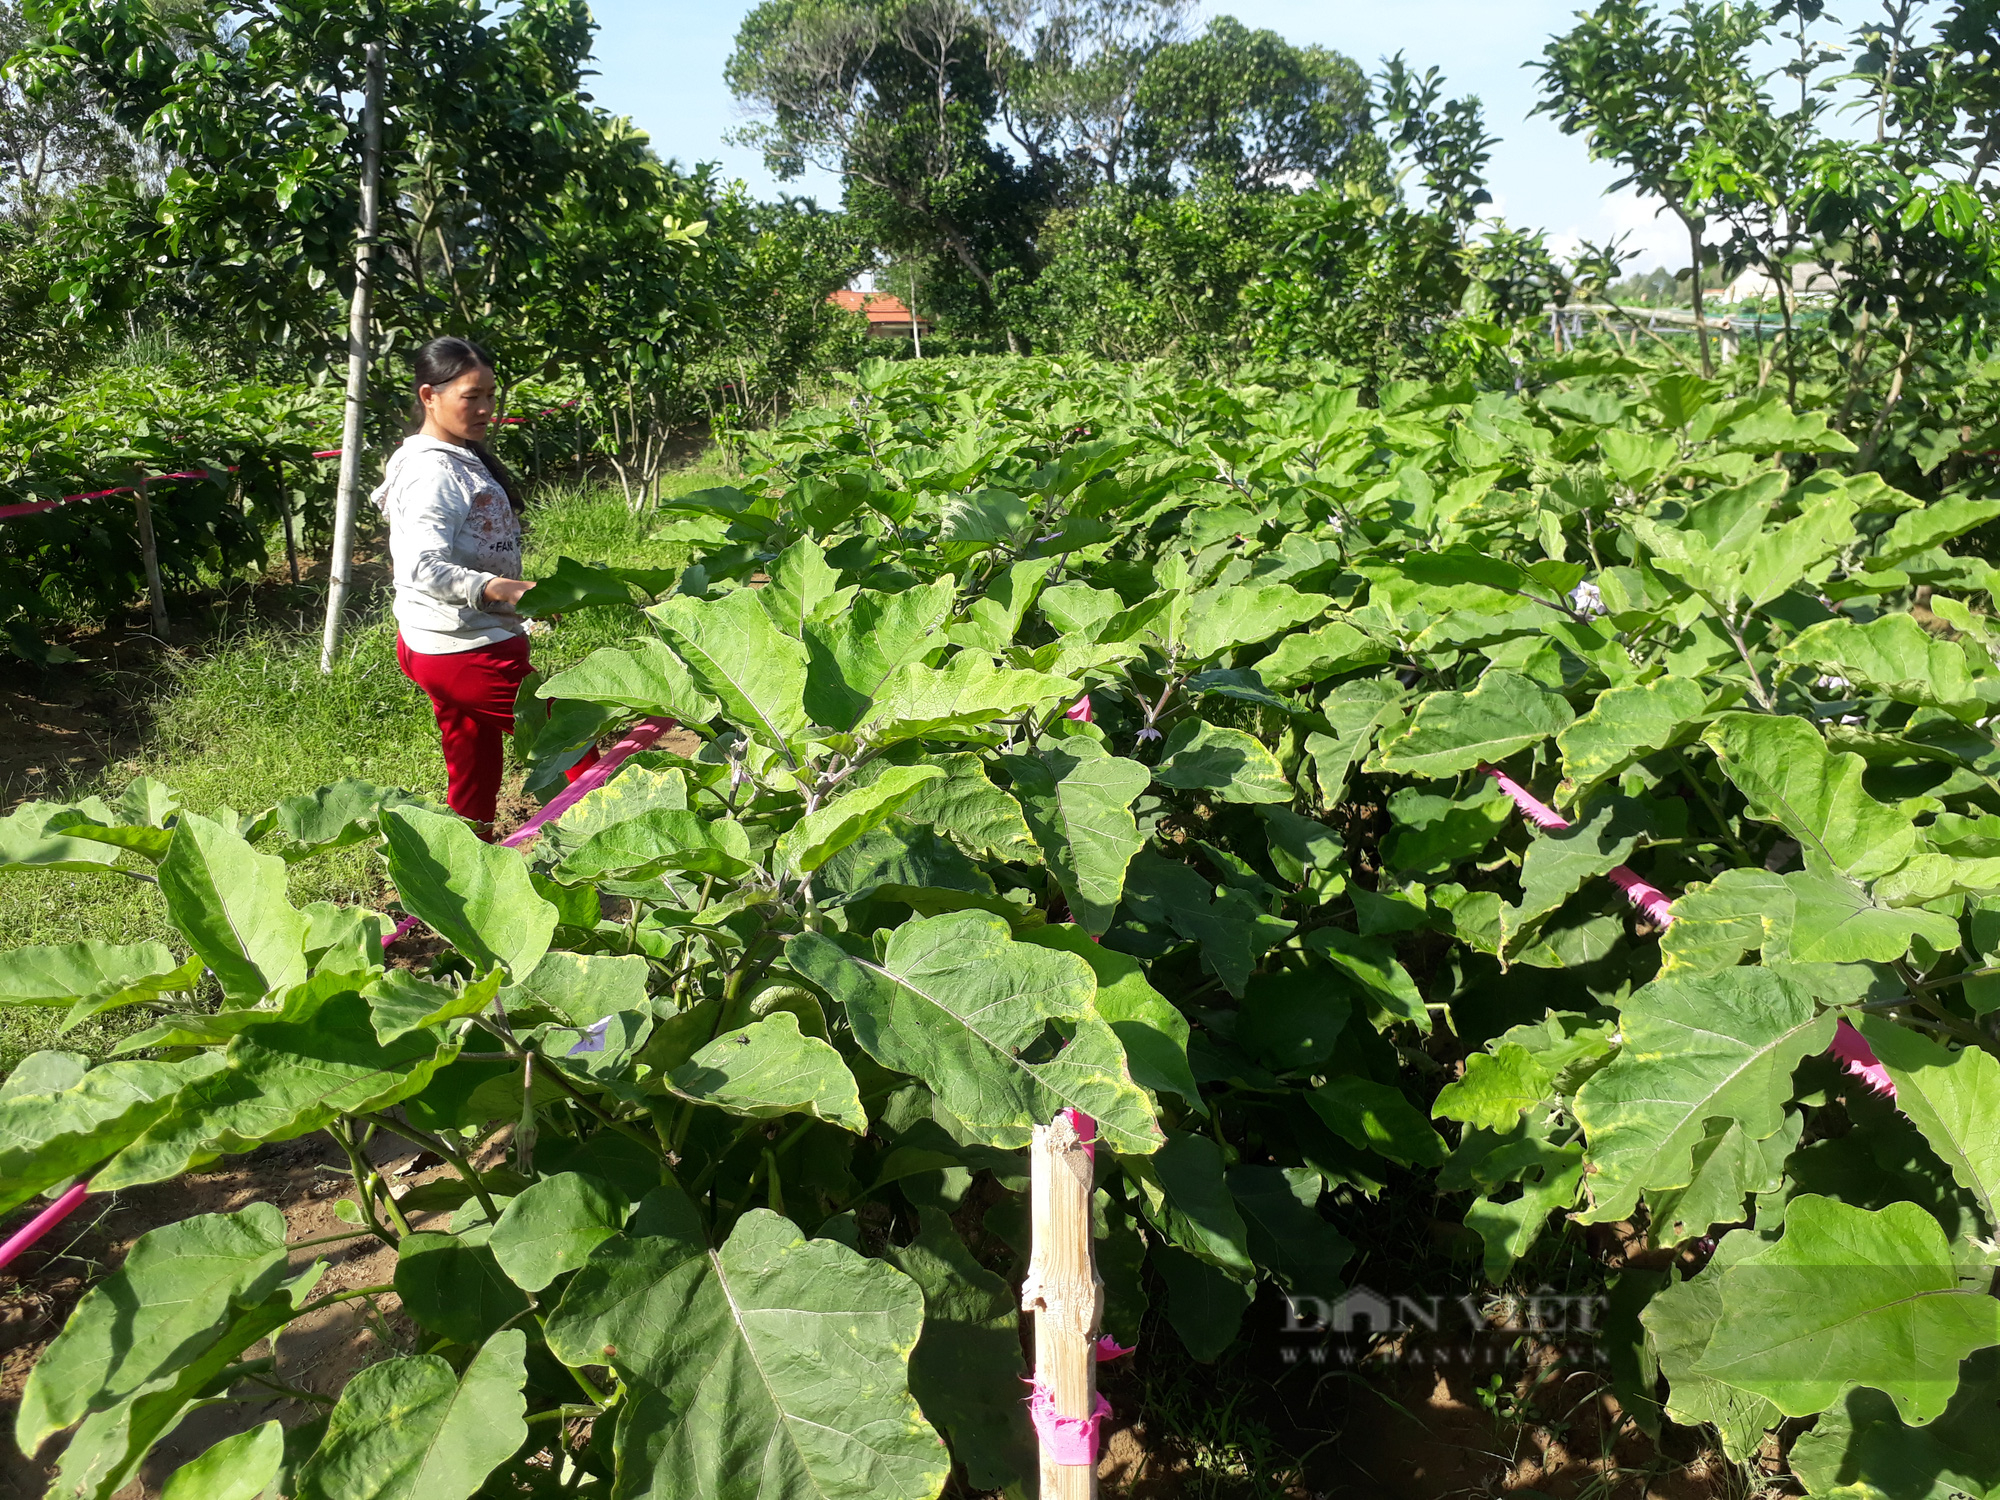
639 737
1085 1128
1080 710
1852 1048
1110 1348
38 507
1069 1441
42 1223
1650 899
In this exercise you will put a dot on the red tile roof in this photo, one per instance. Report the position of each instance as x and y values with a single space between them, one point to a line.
880 307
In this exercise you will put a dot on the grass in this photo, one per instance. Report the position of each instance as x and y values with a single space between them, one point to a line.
249 719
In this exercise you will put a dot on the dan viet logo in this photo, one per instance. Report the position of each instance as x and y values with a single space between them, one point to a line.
1439 1329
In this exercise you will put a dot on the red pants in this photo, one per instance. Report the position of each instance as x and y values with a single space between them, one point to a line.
473 693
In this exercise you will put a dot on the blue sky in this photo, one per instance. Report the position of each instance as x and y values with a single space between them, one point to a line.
662 65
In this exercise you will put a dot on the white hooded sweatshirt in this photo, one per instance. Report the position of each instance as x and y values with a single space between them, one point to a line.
451 532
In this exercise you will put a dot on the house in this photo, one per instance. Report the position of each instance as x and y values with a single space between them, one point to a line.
888 317
1810 283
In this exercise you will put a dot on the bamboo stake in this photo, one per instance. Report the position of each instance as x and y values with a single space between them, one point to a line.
1064 1293
340 562
156 593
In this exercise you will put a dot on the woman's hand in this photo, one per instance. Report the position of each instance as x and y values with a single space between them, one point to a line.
507 591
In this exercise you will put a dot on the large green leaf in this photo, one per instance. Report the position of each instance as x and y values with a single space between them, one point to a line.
768 1069
1314 655
1496 1087
969 807
552 1227
1235 616
1077 801
1729 1167
106 1451
1195 1208
1236 767
290 1076
413 1429
774 1362
802 585
1696 1049
1627 724
229 903
853 653
1454 732
966 693
1848 1298
157 1312
739 657
1508 1227
1288 1238
1681 1321
477 895
1378 1117
954 1001
966 1371
237 1468
646 677
1860 1449
1559 863
1891 655
90 976
27 842
343 813
1715 924
399 1002
633 790
1951 1097
452 1284
1790 778
825 831
652 843
1835 921
1152 1029
49 1133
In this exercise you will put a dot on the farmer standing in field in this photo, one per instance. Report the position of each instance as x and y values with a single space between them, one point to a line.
454 513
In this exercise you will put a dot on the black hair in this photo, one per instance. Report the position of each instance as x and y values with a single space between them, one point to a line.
439 363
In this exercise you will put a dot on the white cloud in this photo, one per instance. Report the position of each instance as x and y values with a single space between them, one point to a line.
1654 232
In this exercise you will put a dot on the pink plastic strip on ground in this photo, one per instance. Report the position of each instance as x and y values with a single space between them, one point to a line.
1849 1045
40 507
639 737
42 1223
1650 899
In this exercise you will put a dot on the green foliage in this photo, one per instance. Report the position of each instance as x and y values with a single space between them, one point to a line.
1280 935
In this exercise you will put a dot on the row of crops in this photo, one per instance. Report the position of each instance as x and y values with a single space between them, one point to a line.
1074 737
249 483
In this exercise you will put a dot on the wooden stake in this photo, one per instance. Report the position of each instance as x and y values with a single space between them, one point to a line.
156 593
285 509
1064 1293
340 562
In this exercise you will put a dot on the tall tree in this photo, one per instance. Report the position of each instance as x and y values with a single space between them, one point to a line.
899 99
1250 108
1643 91
53 139
1073 74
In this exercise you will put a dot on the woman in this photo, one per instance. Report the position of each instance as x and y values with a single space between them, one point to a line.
454 515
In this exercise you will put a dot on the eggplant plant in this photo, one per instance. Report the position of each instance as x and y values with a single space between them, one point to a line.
1073 737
